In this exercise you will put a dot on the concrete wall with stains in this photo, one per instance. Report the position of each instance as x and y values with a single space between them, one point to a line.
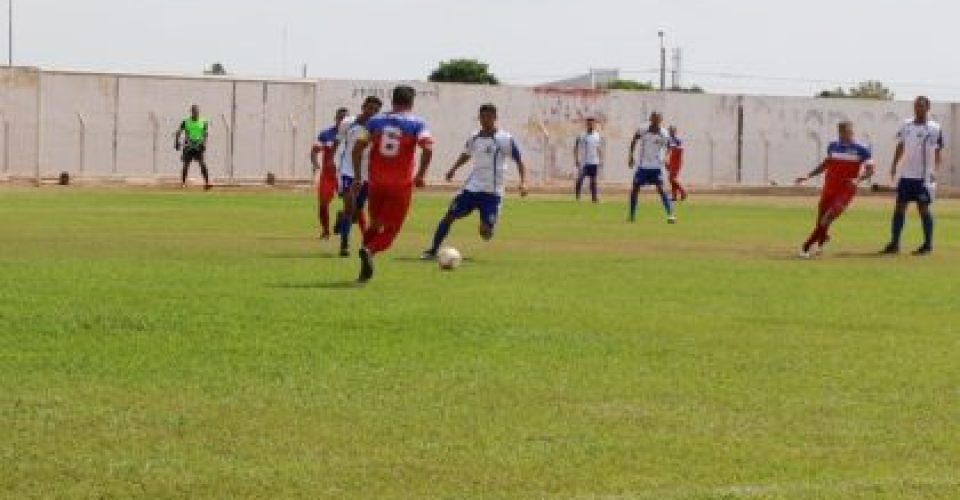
121 126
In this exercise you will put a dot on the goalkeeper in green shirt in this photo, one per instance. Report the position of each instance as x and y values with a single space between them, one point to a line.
195 130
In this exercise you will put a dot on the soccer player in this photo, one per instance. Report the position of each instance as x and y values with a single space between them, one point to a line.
848 163
392 139
484 189
325 171
675 165
197 130
354 200
920 148
588 152
649 146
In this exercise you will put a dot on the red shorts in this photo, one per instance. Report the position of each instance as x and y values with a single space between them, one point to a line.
325 181
836 199
388 204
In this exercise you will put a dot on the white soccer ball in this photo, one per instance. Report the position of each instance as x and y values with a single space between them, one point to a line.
449 259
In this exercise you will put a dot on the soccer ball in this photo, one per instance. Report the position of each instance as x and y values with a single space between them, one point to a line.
449 259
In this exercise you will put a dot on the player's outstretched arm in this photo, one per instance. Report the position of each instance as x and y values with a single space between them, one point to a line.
426 157
868 171
897 156
315 156
177 135
357 156
576 153
461 161
521 167
817 171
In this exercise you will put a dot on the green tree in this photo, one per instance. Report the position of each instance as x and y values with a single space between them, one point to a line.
216 69
629 85
464 71
870 89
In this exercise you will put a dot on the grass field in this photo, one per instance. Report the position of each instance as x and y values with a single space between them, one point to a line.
179 344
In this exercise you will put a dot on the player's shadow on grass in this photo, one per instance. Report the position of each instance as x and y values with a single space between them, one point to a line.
317 285
302 256
417 260
860 255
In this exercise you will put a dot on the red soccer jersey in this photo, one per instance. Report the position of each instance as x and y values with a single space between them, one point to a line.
844 162
394 138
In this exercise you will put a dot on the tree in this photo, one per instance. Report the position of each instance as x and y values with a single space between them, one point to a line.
629 85
464 71
870 89
216 69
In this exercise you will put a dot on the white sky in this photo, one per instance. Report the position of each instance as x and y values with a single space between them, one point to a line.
814 43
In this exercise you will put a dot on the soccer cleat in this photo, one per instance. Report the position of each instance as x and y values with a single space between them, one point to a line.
822 246
804 255
672 219
891 249
366 266
344 252
923 251
428 255
325 235
207 187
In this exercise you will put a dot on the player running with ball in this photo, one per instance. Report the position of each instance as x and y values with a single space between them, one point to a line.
848 163
484 188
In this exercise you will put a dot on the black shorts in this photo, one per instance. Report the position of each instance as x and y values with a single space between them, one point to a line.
194 153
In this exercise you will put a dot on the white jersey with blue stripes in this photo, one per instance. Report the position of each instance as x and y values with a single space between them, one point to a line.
921 141
651 149
353 133
489 154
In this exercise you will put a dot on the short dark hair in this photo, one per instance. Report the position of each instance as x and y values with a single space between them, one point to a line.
924 99
403 95
488 108
591 119
373 100
845 125
343 111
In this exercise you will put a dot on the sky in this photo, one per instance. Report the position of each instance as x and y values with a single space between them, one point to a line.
771 47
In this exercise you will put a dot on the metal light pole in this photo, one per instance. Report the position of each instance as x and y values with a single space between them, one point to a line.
10 33
663 62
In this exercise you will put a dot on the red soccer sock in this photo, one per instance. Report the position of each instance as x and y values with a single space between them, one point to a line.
325 218
379 240
815 237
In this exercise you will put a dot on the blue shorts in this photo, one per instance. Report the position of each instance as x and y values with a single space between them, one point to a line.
466 202
346 183
913 190
590 170
648 177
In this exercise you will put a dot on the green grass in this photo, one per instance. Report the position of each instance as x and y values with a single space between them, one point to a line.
168 345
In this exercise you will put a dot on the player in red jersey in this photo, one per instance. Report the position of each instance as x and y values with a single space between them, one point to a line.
848 163
675 165
393 139
325 171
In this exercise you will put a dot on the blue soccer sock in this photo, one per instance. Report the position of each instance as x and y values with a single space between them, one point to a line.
899 219
667 204
345 224
927 220
443 229
634 201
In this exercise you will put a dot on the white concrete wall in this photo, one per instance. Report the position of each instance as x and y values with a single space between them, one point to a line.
121 126
19 120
